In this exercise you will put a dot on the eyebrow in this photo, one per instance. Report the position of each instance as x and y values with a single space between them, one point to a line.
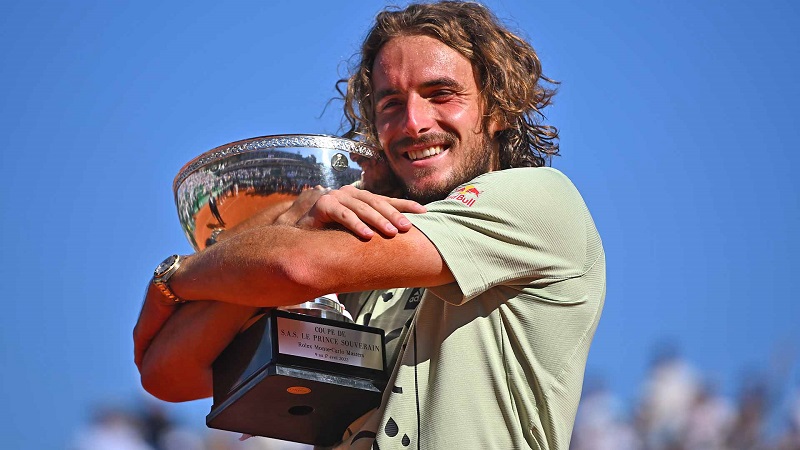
438 82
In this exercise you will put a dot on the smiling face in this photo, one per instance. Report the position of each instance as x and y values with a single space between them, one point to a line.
428 115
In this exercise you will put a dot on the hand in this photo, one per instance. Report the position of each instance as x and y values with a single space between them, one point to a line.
358 210
156 310
304 202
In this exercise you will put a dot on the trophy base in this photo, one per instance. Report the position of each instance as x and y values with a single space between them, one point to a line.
262 390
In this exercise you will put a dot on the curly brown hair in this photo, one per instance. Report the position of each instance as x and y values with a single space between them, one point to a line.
507 68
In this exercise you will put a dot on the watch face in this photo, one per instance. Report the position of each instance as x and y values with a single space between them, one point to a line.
166 264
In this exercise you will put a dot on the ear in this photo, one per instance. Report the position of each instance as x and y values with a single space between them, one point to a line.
495 125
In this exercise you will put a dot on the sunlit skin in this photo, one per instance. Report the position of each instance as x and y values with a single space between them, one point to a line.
428 114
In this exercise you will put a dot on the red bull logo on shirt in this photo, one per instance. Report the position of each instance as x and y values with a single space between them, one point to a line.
466 194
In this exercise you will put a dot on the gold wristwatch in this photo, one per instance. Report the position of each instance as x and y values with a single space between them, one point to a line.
162 274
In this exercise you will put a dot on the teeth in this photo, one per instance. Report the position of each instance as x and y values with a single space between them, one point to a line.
418 154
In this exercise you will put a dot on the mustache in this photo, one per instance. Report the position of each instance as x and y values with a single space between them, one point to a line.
426 139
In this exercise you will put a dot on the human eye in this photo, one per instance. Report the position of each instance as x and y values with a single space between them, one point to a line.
442 95
388 104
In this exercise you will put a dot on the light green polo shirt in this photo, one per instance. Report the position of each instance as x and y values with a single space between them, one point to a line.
496 359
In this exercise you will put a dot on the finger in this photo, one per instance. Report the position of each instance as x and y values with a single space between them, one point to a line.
155 312
141 342
337 209
375 211
409 206
138 353
401 205
390 209
301 205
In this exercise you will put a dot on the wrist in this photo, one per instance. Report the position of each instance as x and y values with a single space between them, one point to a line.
164 273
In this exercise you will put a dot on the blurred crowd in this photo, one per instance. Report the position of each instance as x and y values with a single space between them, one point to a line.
676 408
151 427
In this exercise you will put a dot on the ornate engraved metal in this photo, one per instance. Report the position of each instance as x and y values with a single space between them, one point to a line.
320 141
339 162
228 184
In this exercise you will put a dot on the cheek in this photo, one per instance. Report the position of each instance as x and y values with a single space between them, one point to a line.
460 117
384 133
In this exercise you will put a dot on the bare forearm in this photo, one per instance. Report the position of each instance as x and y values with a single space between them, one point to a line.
278 266
177 366
266 217
264 267
267 266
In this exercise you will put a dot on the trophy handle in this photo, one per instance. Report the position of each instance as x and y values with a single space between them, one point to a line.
326 307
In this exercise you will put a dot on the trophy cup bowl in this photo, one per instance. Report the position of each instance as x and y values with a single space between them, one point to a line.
301 373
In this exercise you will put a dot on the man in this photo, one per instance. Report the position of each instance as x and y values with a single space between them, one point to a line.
513 265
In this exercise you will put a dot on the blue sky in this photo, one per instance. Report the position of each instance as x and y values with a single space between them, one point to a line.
678 125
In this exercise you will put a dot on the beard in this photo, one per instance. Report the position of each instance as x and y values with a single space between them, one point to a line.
477 161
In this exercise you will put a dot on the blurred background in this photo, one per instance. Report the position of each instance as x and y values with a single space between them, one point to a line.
678 123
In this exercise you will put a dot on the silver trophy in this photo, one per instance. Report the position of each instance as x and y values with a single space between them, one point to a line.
301 373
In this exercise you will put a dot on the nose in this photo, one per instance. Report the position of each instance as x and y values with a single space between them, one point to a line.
418 117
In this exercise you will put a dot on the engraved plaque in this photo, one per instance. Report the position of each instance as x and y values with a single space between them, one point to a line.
298 378
330 343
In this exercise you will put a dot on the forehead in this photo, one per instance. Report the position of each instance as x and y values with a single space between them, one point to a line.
407 61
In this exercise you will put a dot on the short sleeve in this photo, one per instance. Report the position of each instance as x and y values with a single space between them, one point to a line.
517 227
